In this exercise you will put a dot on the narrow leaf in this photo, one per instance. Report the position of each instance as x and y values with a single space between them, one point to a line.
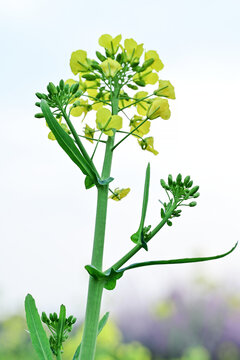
38 336
101 325
105 181
137 237
65 141
61 323
177 261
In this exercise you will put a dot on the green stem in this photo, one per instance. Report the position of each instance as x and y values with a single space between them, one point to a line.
59 356
125 137
95 288
136 248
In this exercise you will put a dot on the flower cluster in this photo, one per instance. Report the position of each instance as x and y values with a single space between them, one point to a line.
119 71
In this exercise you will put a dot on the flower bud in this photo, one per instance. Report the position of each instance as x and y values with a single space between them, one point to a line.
61 84
89 77
170 180
146 64
179 179
163 184
39 115
196 195
37 104
140 82
189 184
133 87
52 88
74 88
192 204
193 190
44 318
100 56
186 180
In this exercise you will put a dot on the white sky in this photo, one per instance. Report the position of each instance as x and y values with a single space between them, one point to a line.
47 217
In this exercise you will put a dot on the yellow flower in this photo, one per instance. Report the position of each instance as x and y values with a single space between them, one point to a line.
110 67
133 50
143 105
82 106
92 87
109 43
147 76
89 133
159 108
143 129
119 194
147 144
79 62
165 88
157 65
106 121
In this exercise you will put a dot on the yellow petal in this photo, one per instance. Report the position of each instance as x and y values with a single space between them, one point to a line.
119 194
143 105
78 62
51 136
110 67
109 43
143 129
133 50
157 65
102 117
165 88
159 108
147 144
89 133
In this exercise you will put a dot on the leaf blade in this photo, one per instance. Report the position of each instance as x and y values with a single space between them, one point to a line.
38 336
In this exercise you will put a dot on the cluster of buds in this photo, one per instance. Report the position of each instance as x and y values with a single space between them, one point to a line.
181 190
59 327
58 96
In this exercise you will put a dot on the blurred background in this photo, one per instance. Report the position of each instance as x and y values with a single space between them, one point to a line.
47 217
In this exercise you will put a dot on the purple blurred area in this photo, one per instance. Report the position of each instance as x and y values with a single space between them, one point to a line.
187 318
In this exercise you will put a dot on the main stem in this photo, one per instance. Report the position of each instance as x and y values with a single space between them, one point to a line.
95 287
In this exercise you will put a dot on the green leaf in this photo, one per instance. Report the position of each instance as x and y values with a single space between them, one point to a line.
61 323
138 236
101 325
38 336
65 141
109 277
88 182
177 261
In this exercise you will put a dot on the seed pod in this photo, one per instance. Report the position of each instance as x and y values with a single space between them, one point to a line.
61 84
193 190
100 56
192 204
39 115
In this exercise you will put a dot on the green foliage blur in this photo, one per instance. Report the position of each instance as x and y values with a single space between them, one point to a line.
15 343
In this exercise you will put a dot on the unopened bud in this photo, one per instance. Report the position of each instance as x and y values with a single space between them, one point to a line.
189 184
179 179
44 318
39 115
140 82
170 180
196 195
192 204
74 88
186 180
37 104
61 84
147 63
52 88
89 77
100 56
193 190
